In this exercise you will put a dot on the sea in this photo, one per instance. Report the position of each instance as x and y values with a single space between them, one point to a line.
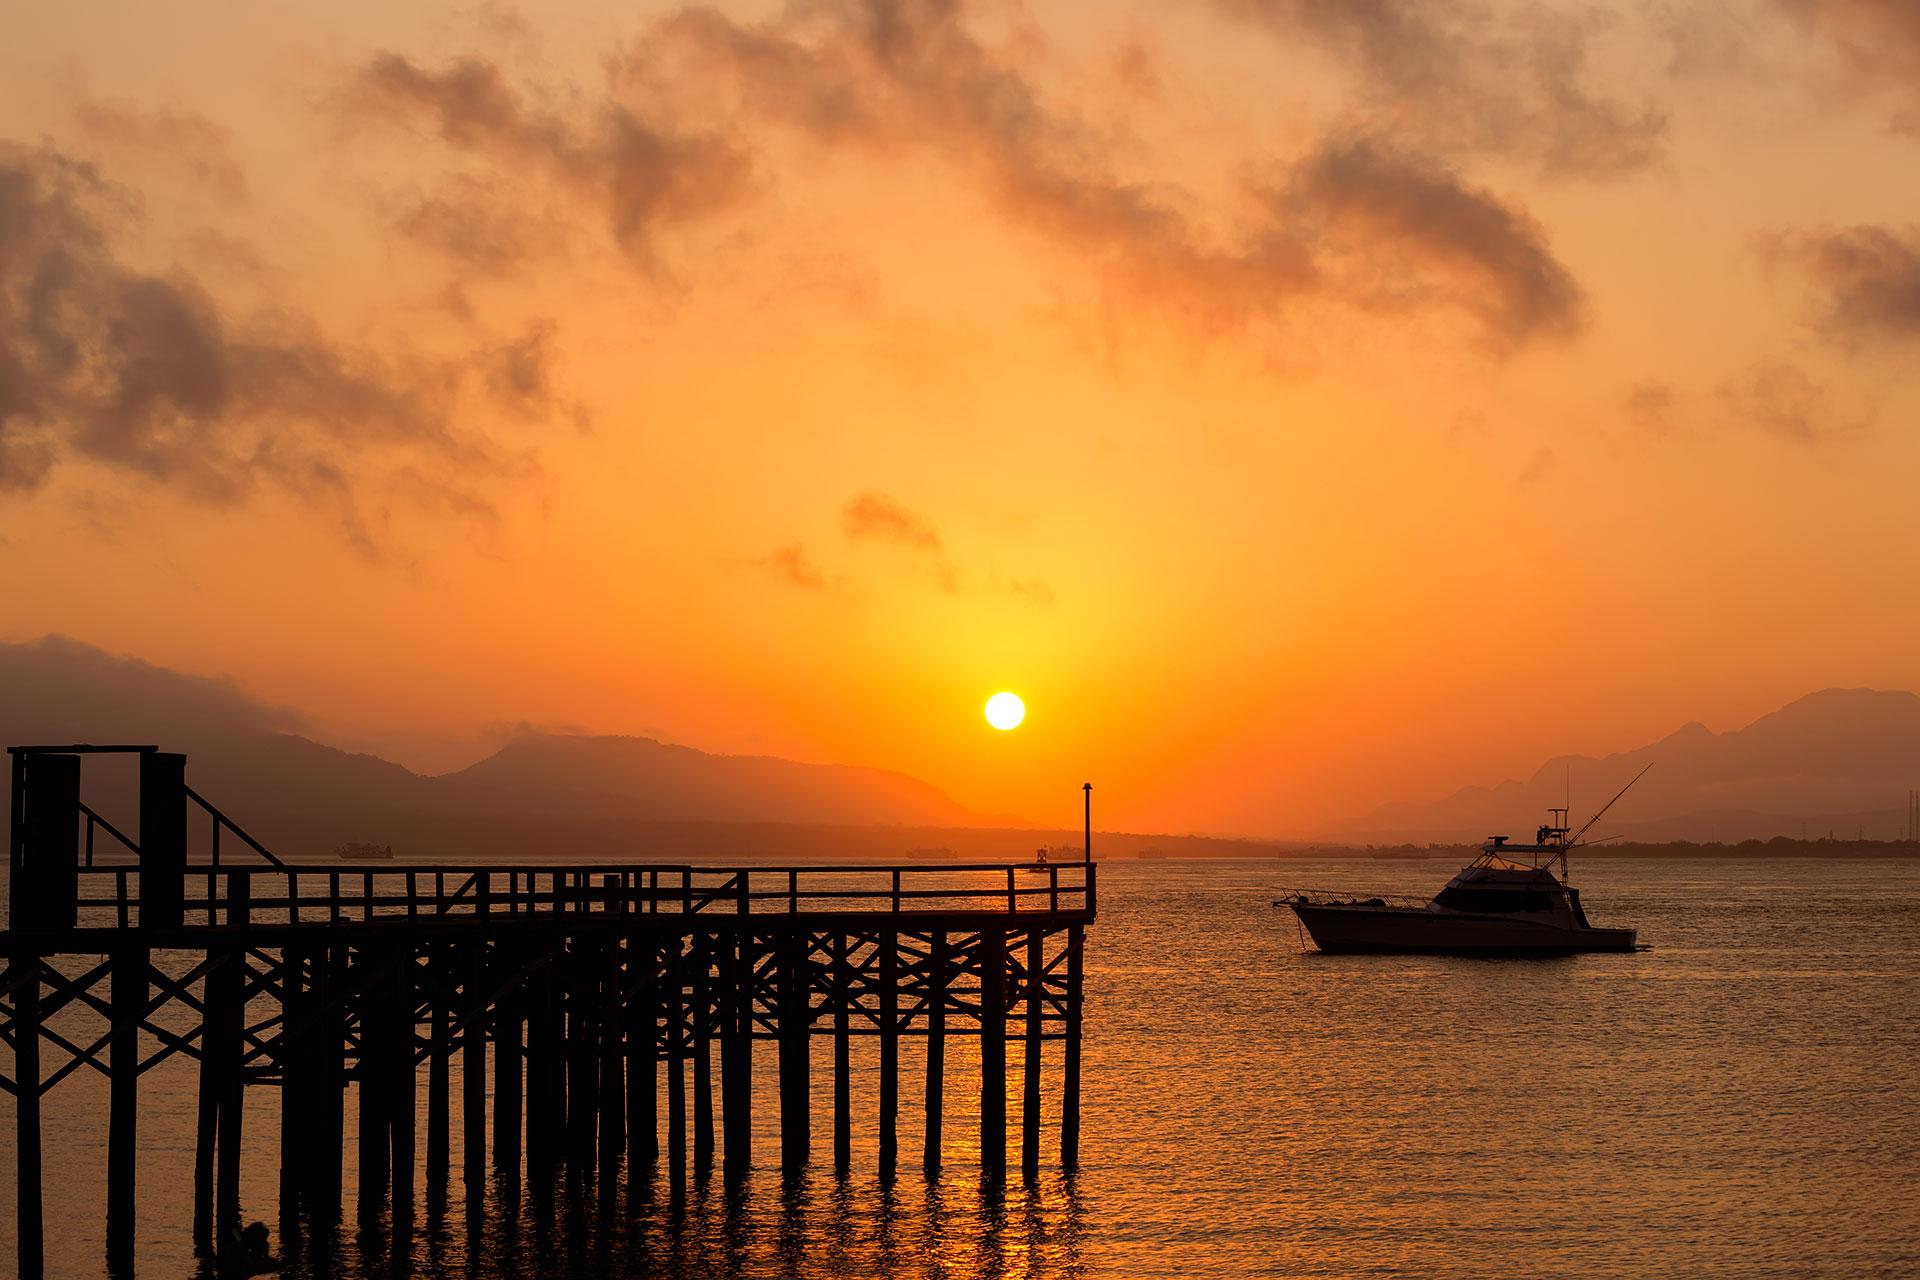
1742 1099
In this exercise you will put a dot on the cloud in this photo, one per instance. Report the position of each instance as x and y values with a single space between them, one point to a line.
1868 278
645 177
475 223
875 515
1650 406
189 142
1779 398
149 375
1538 467
1428 237
790 565
1464 79
1879 39
896 77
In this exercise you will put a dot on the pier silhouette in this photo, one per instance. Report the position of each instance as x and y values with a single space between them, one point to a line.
589 991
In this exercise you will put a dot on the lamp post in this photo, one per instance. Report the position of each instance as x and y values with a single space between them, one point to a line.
1087 787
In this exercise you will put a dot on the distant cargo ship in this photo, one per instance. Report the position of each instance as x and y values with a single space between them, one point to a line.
360 850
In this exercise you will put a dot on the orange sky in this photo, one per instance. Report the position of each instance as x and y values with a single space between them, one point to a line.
1300 404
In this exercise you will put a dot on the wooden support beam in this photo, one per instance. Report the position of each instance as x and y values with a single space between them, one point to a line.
643 1016
375 1166
1030 1061
295 1060
736 1061
936 980
29 1238
330 1142
583 1055
1070 1065
129 1002
613 1024
889 1051
700 993
439 1063
401 1083
232 1014
673 1011
507 1079
993 1051
473 1077
796 1026
842 1065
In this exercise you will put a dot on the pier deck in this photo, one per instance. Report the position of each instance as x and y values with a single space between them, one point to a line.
593 993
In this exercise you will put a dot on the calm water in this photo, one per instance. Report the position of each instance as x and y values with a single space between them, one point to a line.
1744 1100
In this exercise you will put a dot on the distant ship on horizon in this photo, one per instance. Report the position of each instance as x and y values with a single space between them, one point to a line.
360 850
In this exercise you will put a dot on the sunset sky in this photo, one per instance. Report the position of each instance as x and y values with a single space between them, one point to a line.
1299 403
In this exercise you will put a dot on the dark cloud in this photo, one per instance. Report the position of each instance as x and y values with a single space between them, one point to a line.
147 373
1868 279
1463 78
189 142
645 177
1428 237
892 77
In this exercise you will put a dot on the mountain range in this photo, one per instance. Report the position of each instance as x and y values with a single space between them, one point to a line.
1838 761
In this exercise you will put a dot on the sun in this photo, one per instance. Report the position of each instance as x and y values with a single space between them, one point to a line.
1005 710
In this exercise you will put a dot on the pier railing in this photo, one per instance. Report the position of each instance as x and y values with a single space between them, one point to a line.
327 893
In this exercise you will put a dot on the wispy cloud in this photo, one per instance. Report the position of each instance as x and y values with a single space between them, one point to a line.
148 374
790 566
1473 79
645 176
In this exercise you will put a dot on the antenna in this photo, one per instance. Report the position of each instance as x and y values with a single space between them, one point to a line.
1608 805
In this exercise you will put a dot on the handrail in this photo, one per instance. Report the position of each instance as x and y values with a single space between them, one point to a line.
333 893
94 819
219 820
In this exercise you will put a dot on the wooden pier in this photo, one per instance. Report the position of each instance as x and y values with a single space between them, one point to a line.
599 989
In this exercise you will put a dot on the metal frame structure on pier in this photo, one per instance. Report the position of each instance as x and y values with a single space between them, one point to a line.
589 991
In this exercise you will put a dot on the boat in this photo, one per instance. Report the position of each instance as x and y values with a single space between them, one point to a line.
359 850
1513 899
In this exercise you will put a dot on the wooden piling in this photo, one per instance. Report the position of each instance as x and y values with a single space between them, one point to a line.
439 1059
329 1141
1030 1062
582 1056
128 1001
673 1018
29 1239
889 1051
473 1078
1070 1064
232 1092
613 1021
507 1079
796 1025
401 1083
702 1032
643 1103
373 1125
842 1067
736 1061
993 1051
936 980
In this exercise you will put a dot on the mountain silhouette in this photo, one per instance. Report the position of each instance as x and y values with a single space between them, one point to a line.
1839 760
540 793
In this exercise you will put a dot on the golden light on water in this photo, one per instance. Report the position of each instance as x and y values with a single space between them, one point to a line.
1005 710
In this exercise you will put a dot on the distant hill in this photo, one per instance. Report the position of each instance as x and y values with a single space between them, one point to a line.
539 793
1838 760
